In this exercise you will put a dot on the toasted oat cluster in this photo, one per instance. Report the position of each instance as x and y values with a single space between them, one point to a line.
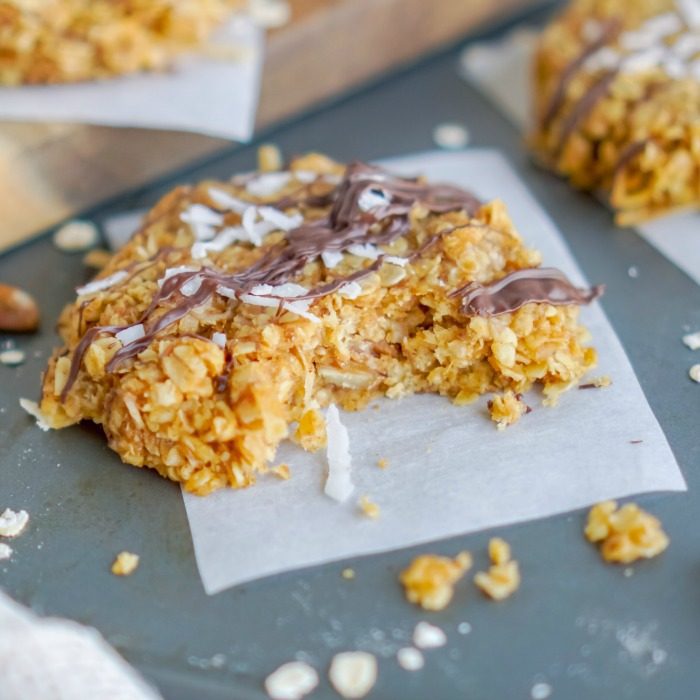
507 408
242 309
503 577
59 41
429 580
625 534
617 101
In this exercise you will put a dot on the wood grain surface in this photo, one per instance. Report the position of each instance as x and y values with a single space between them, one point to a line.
48 172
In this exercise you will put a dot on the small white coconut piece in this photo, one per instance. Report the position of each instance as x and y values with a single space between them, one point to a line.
339 484
373 198
131 334
75 236
350 290
694 373
427 636
353 673
365 250
5 551
227 201
331 258
12 357
267 184
692 340
410 659
32 408
291 681
102 284
451 136
12 523
219 339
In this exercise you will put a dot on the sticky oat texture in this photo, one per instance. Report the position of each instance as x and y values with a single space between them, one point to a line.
196 369
617 98
58 41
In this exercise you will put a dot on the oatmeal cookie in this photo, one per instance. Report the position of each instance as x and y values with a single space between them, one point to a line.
241 309
617 101
62 41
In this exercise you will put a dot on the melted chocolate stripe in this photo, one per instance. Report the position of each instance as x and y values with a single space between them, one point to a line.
346 224
544 285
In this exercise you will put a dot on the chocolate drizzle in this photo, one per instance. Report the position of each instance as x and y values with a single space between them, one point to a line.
608 33
348 223
531 285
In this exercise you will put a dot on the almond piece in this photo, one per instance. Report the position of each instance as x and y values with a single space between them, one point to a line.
18 311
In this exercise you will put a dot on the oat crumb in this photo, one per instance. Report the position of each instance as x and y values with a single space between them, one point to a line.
503 577
625 534
692 340
694 373
97 258
506 409
427 636
348 574
369 508
291 681
382 462
282 471
125 564
430 579
270 158
410 659
597 383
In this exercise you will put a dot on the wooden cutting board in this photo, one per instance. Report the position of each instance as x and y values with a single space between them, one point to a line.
48 172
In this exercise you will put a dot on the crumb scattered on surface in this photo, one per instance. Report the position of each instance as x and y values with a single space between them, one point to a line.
282 471
629 571
429 580
348 574
369 508
694 373
625 534
633 272
97 258
12 523
291 681
76 236
451 135
125 564
506 409
410 658
311 431
427 636
464 628
12 358
270 158
503 577
382 462
353 673
692 340
597 383
5 551
32 408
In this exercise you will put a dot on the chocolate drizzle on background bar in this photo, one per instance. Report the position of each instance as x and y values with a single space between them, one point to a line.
545 285
349 222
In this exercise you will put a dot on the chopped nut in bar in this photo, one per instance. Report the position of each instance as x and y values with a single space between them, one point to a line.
503 577
625 534
429 580
242 309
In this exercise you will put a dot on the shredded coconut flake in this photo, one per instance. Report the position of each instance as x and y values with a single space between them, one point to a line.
353 673
331 258
191 287
267 184
350 290
690 10
279 219
410 659
199 214
395 260
219 339
226 201
131 334
339 484
102 284
5 551
365 250
306 177
373 198
12 523
427 636
291 681
12 358
76 236
32 408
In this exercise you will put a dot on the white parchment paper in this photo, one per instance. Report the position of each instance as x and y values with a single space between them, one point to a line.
217 97
450 471
501 70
